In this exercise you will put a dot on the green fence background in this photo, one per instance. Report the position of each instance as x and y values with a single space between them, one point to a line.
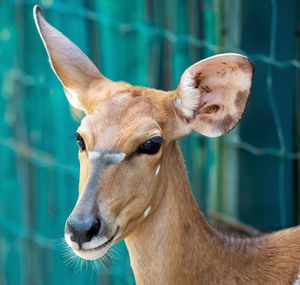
248 177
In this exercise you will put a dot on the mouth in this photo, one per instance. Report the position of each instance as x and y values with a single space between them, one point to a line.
98 251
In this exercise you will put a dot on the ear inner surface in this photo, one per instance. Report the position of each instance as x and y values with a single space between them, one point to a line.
73 68
214 93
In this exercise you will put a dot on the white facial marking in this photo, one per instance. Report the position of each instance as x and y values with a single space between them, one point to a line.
297 282
147 212
113 157
157 170
93 155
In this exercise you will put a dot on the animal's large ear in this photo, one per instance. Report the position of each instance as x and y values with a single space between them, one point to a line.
73 68
213 93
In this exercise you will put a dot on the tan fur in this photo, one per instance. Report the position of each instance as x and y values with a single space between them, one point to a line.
177 245
174 244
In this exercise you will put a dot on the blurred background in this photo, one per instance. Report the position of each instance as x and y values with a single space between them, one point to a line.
246 181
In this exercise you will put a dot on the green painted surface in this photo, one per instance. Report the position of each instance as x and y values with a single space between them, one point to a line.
148 43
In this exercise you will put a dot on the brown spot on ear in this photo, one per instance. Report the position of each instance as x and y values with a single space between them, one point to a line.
198 79
241 98
227 69
222 72
225 124
205 88
233 68
245 65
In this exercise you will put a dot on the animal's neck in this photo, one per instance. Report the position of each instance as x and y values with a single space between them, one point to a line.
177 245
175 238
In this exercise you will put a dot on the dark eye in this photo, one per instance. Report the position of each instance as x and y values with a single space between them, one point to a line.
80 141
151 146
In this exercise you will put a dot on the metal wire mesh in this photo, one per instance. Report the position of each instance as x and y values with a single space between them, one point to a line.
20 153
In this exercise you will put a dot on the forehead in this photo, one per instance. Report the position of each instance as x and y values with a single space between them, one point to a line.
117 119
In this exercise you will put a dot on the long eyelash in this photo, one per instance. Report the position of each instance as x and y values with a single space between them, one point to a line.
75 135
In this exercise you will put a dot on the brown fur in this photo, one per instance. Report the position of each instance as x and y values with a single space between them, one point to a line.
198 79
225 123
205 88
174 244
244 65
183 248
241 98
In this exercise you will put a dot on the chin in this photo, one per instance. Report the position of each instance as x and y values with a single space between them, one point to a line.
93 249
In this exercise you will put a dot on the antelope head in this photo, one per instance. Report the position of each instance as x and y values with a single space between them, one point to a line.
127 136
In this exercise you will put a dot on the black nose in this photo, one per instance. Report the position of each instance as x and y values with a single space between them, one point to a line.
83 230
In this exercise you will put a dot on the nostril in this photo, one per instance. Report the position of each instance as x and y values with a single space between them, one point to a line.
83 230
94 229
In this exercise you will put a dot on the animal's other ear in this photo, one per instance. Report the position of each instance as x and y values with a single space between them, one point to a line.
73 68
213 93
